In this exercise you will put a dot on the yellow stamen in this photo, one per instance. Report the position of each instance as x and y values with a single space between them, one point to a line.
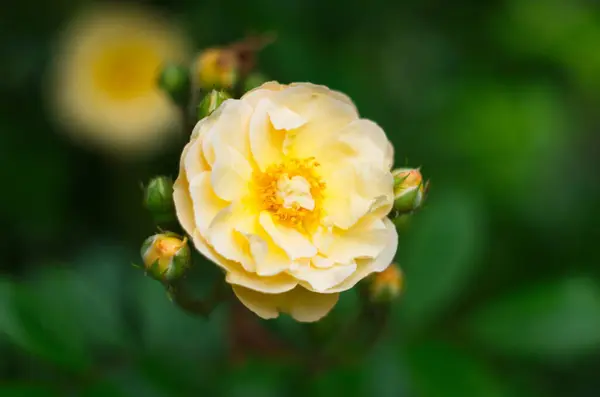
269 197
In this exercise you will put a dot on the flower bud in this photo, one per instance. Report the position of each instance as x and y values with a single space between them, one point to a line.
409 189
386 285
175 81
158 198
166 257
211 102
217 68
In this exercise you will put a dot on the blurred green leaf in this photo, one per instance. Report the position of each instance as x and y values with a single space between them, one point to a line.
555 319
441 370
439 255
61 315
42 323
26 390
169 331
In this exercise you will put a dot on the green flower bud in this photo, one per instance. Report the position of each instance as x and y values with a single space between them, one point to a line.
166 257
386 285
175 81
211 102
158 199
409 190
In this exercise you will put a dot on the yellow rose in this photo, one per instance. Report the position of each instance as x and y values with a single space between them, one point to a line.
287 190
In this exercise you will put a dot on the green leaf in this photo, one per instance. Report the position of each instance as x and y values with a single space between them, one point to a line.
61 315
442 370
42 324
439 255
554 319
168 330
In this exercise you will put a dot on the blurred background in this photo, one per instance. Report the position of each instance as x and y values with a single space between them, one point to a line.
497 101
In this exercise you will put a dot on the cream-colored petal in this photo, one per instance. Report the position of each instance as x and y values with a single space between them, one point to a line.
253 97
366 239
265 141
231 127
205 249
283 118
378 264
206 203
376 185
322 262
325 116
319 280
324 90
269 258
342 204
230 175
295 244
184 208
194 161
263 305
278 284
225 235
307 306
301 304
367 143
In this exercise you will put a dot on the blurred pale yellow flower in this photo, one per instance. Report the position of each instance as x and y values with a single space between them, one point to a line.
102 85
287 190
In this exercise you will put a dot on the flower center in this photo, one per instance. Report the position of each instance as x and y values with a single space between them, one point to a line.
126 70
291 191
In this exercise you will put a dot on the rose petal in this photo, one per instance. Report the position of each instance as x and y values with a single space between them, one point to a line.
269 285
378 264
224 232
230 175
319 280
295 244
283 118
184 208
253 97
206 203
366 239
342 204
265 141
269 258
301 304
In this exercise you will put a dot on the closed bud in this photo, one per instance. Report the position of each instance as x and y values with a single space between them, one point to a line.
175 81
211 102
166 257
217 68
409 190
386 285
158 199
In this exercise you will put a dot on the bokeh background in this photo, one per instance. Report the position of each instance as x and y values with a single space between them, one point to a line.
498 102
